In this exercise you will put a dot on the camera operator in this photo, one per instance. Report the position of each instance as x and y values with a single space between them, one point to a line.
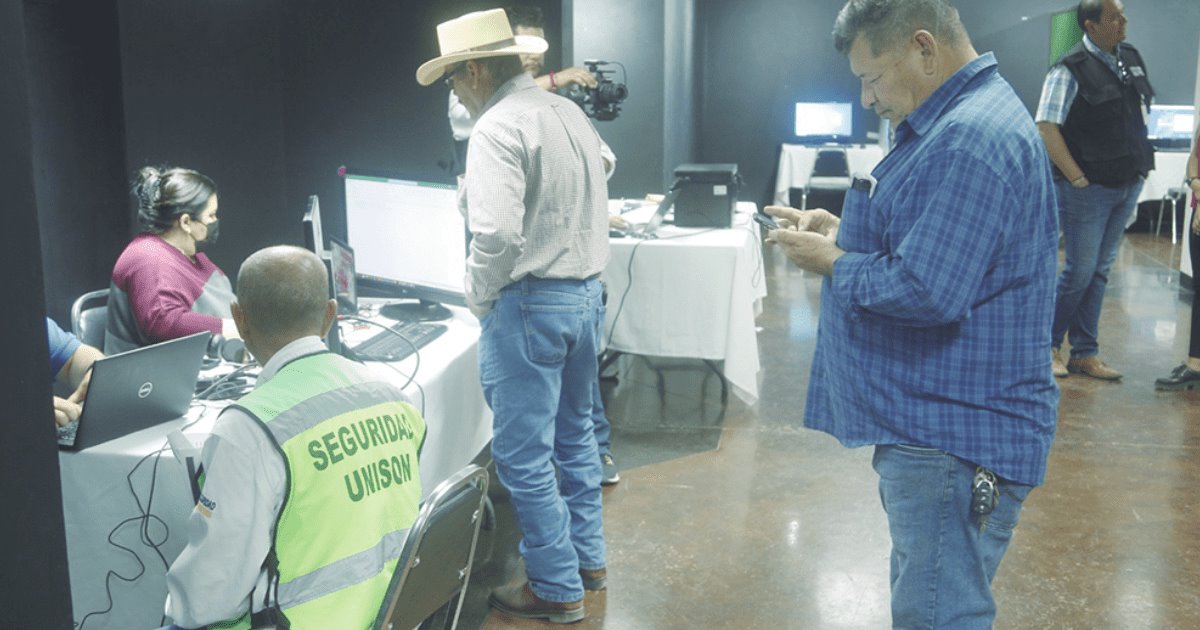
528 21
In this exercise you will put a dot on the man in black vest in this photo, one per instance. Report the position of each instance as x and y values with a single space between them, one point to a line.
1091 118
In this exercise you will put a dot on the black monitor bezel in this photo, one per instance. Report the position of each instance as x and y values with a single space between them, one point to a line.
312 225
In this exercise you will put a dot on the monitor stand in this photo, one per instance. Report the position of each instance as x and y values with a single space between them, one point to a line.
418 311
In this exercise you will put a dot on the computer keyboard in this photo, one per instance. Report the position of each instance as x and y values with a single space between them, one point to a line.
396 346
66 433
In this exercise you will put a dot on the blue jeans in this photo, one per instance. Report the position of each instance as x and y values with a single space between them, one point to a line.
603 428
537 364
943 556
1093 221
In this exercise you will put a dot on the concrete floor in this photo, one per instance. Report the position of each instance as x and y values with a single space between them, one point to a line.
737 517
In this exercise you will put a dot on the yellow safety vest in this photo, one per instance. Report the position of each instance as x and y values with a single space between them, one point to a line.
349 444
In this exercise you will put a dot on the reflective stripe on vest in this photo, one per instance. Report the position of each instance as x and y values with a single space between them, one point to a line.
350 445
352 570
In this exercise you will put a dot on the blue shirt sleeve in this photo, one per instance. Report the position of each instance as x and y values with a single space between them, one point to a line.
62 345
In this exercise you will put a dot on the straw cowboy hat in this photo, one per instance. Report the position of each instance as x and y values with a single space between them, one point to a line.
473 36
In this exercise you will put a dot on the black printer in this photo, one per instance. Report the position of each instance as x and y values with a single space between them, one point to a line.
707 194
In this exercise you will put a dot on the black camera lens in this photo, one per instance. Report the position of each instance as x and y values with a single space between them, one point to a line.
611 92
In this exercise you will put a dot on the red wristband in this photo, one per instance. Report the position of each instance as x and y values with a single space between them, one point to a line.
553 84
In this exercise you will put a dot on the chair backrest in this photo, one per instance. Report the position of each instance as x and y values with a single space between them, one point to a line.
435 564
830 199
89 316
831 163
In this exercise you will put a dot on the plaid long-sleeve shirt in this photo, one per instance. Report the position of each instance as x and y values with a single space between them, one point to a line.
935 325
535 192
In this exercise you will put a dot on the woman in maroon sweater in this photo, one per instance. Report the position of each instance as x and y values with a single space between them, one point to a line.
1187 375
163 287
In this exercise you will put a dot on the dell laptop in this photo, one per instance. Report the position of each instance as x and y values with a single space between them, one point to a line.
135 390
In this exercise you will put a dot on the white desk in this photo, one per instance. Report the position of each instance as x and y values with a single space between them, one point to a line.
96 497
796 164
694 294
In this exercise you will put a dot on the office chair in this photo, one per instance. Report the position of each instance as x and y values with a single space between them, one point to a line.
435 564
831 162
1173 196
89 316
829 181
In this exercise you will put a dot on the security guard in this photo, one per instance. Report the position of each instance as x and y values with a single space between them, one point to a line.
311 480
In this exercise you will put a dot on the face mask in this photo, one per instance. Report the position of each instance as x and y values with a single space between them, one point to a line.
211 238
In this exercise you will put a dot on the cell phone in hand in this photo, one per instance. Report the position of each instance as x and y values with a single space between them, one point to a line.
766 221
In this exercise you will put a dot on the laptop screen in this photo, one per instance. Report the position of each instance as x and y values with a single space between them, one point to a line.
137 389
341 271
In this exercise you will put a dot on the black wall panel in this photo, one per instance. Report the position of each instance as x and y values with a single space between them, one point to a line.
79 159
202 89
34 572
757 59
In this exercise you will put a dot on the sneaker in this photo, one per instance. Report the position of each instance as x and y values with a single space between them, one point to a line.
1057 367
610 475
1092 366
594 579
519 600
1182 377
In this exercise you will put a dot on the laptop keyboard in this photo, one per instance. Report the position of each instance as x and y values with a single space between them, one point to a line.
389 346
66 433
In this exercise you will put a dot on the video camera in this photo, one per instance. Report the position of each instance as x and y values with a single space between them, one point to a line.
604 99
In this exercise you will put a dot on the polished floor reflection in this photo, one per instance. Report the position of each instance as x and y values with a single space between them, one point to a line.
736 517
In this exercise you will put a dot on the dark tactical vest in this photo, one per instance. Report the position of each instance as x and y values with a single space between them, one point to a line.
1105 129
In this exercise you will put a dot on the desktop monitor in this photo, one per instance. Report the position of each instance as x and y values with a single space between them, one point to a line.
824 121
409 241
313 239
1171 126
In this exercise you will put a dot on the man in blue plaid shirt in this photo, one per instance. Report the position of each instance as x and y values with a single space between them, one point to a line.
1091 119
938 291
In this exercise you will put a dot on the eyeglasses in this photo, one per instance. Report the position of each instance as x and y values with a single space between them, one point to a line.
448 75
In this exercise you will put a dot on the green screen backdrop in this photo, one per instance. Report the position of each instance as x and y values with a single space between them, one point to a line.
1064 33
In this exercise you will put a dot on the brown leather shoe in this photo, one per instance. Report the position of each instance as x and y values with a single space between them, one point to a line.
519 600
594 579
1057 367
1093 367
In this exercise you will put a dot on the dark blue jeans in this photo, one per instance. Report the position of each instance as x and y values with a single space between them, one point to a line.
537 364
1093 222
943 556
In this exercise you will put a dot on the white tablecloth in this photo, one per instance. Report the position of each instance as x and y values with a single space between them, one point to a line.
694 294
96 497
796 164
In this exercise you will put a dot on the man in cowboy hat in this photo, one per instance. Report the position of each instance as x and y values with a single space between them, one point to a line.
527 20
535 198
